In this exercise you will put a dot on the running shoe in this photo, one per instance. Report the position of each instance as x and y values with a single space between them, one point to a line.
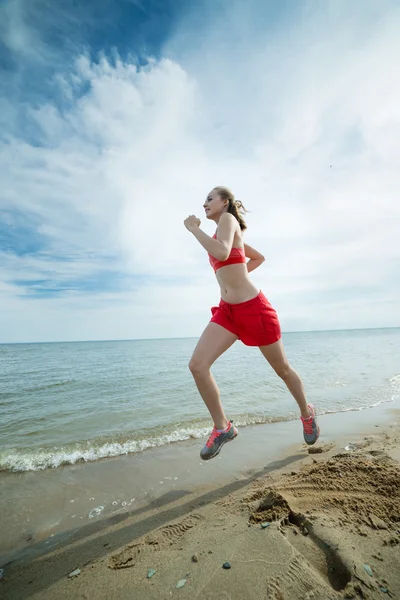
310 427
216 440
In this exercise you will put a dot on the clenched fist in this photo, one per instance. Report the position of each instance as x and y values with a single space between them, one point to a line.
192 222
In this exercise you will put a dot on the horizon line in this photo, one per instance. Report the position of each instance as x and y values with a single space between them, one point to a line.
191 337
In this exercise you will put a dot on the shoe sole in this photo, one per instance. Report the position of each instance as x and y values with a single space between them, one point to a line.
219 448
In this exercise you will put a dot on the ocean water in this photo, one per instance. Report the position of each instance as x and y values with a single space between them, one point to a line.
62 403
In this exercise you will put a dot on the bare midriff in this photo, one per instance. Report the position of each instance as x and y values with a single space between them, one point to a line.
235 284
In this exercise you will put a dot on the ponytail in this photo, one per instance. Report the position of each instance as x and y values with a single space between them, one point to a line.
235 207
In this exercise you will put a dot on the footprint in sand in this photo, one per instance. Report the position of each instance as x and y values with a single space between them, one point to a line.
320 449
165 536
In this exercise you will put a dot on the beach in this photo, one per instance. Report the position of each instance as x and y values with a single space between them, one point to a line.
191 187
294 523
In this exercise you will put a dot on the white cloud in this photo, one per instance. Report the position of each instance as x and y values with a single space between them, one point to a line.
302 122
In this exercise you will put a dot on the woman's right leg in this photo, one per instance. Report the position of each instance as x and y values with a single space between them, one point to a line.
214 341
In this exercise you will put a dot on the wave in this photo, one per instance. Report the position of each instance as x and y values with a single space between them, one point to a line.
43 458
395 381
36 459
49 386
19 460
6 397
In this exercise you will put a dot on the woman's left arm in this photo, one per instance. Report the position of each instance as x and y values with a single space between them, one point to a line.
256 258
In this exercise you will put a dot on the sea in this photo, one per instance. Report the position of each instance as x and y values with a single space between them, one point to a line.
66 403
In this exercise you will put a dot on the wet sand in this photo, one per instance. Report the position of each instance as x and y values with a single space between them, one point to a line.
334 520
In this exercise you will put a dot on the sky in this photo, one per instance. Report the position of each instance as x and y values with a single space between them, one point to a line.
117 117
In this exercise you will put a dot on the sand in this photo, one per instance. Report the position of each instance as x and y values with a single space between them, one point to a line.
331 530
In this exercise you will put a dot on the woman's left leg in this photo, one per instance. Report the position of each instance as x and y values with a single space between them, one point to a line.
275 355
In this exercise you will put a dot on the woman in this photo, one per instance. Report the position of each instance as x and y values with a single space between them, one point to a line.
243 313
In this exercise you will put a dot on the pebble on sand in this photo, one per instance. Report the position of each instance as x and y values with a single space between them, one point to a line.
226 565
181 583
75 573
265 525
368 570
350 447
150 573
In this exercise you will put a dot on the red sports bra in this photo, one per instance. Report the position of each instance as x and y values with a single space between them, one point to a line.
236 256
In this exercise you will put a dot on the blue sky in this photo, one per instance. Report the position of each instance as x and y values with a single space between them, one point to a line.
117 117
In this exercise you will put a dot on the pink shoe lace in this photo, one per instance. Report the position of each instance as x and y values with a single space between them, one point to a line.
210 441
308 423
214 434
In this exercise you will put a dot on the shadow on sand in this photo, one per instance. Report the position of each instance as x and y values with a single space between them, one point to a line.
41 565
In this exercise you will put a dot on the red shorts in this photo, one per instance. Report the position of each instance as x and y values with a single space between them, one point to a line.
255 322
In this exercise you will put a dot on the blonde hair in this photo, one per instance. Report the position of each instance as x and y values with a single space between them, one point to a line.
235 207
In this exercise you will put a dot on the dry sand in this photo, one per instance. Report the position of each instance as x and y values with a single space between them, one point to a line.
333 532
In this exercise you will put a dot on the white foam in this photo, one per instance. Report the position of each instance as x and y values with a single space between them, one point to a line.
95 512
36 460
381 402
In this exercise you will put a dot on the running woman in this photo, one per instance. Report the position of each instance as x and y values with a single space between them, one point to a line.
243 313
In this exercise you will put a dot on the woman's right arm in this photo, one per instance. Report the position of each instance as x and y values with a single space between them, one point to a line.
220 247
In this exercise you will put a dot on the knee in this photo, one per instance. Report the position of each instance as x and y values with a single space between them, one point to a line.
197 367
283 370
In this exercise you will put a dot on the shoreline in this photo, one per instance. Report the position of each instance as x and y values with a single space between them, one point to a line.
39 506
188 432
270 451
